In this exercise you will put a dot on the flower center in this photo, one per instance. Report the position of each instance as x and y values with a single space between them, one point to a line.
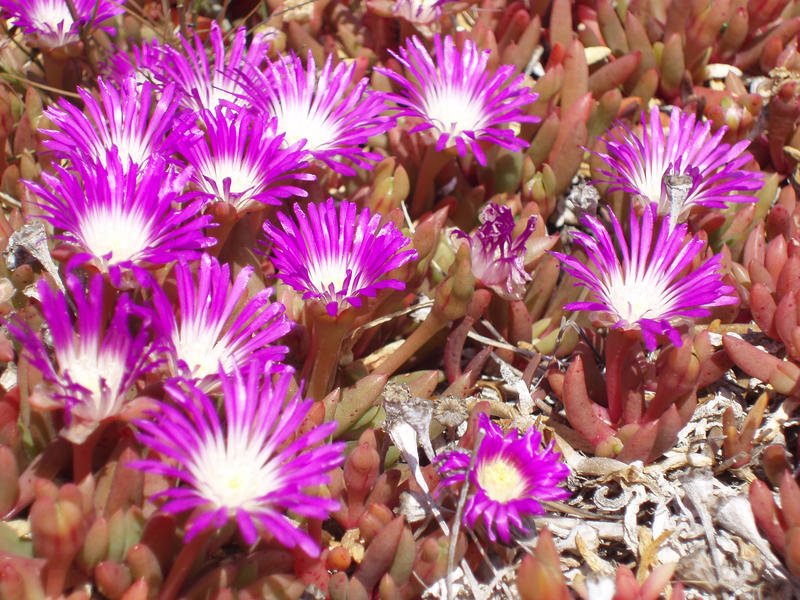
110 230
453 110
501 480
300 119
634 298
329 275
197 348
50 14
89 369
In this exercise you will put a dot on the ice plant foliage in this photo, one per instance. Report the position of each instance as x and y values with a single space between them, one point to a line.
97 360
123 217
128 120
498 260
647 283
211 334
457 97
242 161
509 478
318 108
337 256
640 163
247 466
50 24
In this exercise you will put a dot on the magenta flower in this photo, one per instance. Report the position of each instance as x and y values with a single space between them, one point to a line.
241 161
458 99
419 12
211 334
651 283
205 85
124 120
498 260
125 218
97 361
334 119
509 479
142 63
337 258
49 23
640 163
240 467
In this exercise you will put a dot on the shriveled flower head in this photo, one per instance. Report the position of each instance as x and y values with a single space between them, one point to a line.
246 466
123 217
97 360
241 161
419 12
641 163
334 120
129 121
216 81
49 23
217 327
337 256
509 479
648 282
498 260
458 99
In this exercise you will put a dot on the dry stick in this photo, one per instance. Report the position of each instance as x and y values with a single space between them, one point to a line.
462 500
42 86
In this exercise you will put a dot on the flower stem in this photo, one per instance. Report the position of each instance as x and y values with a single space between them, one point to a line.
326 344
432 163
183 564
82 454
427 329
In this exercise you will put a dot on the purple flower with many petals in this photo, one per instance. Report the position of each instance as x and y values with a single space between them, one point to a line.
509 478
334 120
124 120
126 218
641 163
49 23
240 467
96 362
649 283
498 260
241 161
210 332
458 99
337 256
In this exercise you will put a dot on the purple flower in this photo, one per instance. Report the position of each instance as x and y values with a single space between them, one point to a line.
96 362
509 478
241 161
144 62
651 283
458 99
498 260
640 164
49 23
205 85
125 218
334 119
122 121
419 12
240 467
210 332
337 258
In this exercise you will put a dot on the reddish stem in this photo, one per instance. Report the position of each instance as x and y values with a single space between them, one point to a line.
183 564
427 329
82 454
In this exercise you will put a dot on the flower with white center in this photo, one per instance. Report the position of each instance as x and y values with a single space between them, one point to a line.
649 283
216 329
337 256
125 121
49 23
124 218
509 478
334 120
251 465
457 98
641 164
243 161
97 360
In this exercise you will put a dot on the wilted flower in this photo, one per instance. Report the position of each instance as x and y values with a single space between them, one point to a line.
648 283
97 360
641 163
210 332
239 466
509 478
419 12
458 98
337 258
122 121
49 23
125 218
334 120
498 260
241 161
